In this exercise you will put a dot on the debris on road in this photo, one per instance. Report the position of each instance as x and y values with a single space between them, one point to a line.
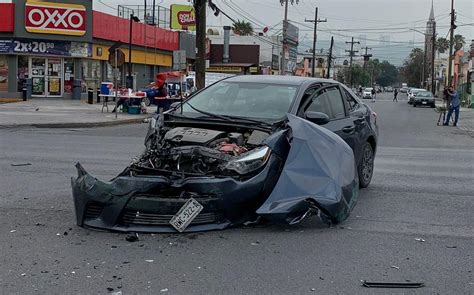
394 266
13 230
419 240
132 238
164 290
149 260
451 247
391 285
20 164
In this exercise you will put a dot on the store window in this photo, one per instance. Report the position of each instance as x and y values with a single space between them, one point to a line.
3 73
22 73
110 74
90 75
68 74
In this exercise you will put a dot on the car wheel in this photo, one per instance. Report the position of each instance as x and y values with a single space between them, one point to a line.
414 105
147 101
433 106
366 167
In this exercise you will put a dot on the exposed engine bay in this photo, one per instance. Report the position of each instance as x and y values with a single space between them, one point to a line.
193 151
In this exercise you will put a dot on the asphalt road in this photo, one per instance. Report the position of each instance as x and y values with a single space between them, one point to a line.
423 188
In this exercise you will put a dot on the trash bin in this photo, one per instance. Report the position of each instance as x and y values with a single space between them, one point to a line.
98 95
29 88
76 89
90 95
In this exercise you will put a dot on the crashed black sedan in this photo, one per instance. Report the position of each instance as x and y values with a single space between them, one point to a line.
244 149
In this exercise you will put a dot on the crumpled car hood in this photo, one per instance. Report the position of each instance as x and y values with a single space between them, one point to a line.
320 171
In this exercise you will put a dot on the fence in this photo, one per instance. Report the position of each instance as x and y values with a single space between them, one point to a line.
161 17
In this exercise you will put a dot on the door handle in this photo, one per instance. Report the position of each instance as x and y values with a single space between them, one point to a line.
348 129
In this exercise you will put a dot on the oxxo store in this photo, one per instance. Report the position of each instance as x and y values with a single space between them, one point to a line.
51 45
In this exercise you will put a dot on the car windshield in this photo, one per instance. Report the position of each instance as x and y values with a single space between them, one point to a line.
368 89
424 94
243 99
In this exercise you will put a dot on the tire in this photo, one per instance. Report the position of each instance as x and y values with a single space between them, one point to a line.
147 101
366 166
433 106
414 105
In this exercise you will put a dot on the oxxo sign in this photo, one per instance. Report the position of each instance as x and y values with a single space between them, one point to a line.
55 18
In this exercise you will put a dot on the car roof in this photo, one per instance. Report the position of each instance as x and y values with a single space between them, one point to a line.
276 79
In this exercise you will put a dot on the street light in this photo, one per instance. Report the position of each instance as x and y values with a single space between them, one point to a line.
129 83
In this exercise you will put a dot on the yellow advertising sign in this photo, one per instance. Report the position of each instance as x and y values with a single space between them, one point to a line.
225 69
183 17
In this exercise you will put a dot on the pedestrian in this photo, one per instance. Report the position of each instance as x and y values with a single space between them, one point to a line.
395 93
373 94
454 105
361 93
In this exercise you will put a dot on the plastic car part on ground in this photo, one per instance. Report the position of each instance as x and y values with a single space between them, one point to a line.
318 177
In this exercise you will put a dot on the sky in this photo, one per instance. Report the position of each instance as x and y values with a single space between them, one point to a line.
394 21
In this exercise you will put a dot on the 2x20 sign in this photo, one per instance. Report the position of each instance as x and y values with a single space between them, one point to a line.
55 18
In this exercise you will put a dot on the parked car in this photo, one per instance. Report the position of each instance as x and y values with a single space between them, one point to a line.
412 92
389 89
404 89
424 98
275 147
367 93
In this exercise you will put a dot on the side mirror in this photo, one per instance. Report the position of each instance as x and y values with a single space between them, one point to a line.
317 117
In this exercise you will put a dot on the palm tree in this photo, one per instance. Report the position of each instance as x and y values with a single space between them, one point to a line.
242 28
459 41
442 44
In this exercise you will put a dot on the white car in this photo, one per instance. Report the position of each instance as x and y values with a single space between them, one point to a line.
367 93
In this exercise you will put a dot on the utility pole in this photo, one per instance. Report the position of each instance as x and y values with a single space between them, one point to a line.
451 43
200 64
423 72
330 57
433 47
315 21
284 48
366 56
153 13
351 54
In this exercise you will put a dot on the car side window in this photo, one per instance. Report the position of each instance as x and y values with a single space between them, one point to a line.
337 104
319 103
351 102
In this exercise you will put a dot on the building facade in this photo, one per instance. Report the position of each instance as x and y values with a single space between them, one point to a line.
62 43
430 39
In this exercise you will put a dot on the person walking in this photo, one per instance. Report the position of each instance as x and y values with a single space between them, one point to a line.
373 94
395 93
454 105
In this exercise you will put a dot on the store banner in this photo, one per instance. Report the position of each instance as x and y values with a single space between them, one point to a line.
183 17
55 18
46 47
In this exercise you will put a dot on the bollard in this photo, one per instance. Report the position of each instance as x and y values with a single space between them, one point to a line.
23 90
76 89
29 88
90 96
98 95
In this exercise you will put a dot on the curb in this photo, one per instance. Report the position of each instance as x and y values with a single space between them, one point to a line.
77 125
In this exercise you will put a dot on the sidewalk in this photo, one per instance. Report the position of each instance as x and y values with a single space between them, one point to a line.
62 113
466 118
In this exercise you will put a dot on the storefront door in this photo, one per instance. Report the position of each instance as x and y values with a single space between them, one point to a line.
46 74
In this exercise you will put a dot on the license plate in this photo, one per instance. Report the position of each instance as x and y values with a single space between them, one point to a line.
186 214
424 102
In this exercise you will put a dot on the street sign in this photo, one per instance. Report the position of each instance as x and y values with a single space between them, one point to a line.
179 60
120 58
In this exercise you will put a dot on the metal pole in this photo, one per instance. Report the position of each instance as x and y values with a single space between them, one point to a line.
153 12
433 47
330 57
130 50
451 43
116 85
423 73
284 48
200 64
314 40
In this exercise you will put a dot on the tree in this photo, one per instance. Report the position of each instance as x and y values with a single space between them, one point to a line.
242 28
442 44
388 74
459 41
291 1
359 77
413 67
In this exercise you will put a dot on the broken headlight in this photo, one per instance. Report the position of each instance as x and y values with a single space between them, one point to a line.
250 161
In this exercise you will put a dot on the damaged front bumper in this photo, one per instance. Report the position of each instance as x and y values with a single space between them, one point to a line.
147 203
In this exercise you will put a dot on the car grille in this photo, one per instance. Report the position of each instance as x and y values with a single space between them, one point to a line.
139 218
93 210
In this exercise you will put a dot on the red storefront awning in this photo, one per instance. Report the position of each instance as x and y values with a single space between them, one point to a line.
114 28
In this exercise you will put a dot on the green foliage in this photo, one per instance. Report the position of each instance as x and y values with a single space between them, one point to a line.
242 28
459 41
442 44
383 73
413 67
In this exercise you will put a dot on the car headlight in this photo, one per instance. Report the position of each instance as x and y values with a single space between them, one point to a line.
250 161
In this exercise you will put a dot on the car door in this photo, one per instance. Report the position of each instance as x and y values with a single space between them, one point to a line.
329 100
